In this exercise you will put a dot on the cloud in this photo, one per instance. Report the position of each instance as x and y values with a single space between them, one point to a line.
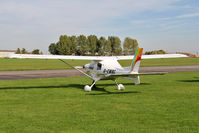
84 11
167 23
71 16
188 15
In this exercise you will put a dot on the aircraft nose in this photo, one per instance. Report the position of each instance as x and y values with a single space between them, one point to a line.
86 66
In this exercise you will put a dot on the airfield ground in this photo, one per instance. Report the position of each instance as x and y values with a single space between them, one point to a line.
15 75
161 104
42 64
12 69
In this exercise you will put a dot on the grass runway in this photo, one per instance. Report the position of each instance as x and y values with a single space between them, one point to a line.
161 104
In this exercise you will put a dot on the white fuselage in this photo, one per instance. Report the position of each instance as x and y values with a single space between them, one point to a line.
103 69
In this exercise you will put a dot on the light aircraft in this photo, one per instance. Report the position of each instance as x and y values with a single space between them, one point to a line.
107 67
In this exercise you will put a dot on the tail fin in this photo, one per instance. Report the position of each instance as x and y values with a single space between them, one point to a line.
136 60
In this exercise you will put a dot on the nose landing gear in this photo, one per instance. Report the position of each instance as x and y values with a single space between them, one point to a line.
88 88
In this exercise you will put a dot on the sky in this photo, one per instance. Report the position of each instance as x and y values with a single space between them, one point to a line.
171 25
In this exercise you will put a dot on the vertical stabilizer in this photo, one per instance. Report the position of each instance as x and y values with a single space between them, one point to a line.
136 61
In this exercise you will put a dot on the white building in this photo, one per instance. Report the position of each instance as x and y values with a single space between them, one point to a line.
5 53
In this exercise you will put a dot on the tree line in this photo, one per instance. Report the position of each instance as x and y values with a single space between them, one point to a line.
155 52
24 51
92 45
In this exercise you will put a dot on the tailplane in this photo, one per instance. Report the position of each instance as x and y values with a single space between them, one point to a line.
136 61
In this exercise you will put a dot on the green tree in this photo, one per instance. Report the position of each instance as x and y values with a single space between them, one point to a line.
135 45
23 51
115 43
18 51
35 51
107 47
73 47
92 44
116 48
130 45
82 45
101 45
161 52
64 45
155 52
53 49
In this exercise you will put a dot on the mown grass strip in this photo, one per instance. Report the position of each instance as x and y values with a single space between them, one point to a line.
167 103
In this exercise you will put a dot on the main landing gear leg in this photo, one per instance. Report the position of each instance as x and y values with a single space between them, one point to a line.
88 88
119 86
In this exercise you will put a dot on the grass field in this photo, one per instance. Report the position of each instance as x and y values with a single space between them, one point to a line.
39 64
165 62
161 104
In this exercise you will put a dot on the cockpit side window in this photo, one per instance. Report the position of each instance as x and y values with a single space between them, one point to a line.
99 66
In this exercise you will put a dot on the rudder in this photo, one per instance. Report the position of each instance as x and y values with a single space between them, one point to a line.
136 61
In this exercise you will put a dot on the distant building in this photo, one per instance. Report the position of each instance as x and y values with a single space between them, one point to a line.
5 53
197 56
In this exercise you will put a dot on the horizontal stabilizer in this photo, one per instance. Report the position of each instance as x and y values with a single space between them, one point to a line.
153 73
137 74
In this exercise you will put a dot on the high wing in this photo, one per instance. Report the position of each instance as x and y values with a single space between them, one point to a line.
97 58
153 56
32 56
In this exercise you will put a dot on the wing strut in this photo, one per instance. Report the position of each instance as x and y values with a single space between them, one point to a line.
76 68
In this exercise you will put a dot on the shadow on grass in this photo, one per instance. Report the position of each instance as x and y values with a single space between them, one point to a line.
196 79
125 84
98 87
42 87
110 93
105 92
188 81
78 86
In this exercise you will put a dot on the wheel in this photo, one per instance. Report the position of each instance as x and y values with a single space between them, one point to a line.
87 88
121 87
